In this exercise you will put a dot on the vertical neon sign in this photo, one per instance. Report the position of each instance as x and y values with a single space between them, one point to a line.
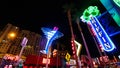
101 34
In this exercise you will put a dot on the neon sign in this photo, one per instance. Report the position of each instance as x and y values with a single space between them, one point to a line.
79 46
91 10
50 35
101 34
117 2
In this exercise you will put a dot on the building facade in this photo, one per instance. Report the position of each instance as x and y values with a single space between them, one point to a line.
5 37
12 45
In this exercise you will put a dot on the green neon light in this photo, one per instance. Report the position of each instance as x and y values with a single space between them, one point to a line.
117 2
91 10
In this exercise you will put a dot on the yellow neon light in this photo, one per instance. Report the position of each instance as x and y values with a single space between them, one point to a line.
79 47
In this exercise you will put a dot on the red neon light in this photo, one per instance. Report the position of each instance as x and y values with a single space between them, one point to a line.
73 52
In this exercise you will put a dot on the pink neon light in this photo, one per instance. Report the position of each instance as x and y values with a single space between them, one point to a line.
55 28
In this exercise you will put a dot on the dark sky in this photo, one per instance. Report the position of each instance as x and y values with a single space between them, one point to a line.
32 15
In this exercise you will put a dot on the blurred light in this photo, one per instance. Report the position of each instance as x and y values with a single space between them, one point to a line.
104 58
73 52
72 45
117 2
93 62
12 35
68 56
119 56
54 53
73 48
44 61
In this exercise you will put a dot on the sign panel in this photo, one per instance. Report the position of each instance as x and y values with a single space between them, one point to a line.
119 56
72 62
45 60
24 41
101 35
67 57
104 58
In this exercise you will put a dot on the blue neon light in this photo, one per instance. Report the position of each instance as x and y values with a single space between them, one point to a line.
50 38
101 34
51 35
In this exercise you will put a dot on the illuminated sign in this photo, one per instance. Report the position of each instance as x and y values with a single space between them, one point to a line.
67 57
50 35
78 47
104 58
72 62
24 41
46 60
91 10
101 34
117 2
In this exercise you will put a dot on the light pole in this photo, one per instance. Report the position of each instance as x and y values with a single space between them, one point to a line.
23 44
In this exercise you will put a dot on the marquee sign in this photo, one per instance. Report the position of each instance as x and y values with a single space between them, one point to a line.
101 35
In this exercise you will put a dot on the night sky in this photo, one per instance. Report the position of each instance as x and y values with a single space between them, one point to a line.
32 15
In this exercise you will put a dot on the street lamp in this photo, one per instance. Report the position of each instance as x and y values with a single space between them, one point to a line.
11 35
